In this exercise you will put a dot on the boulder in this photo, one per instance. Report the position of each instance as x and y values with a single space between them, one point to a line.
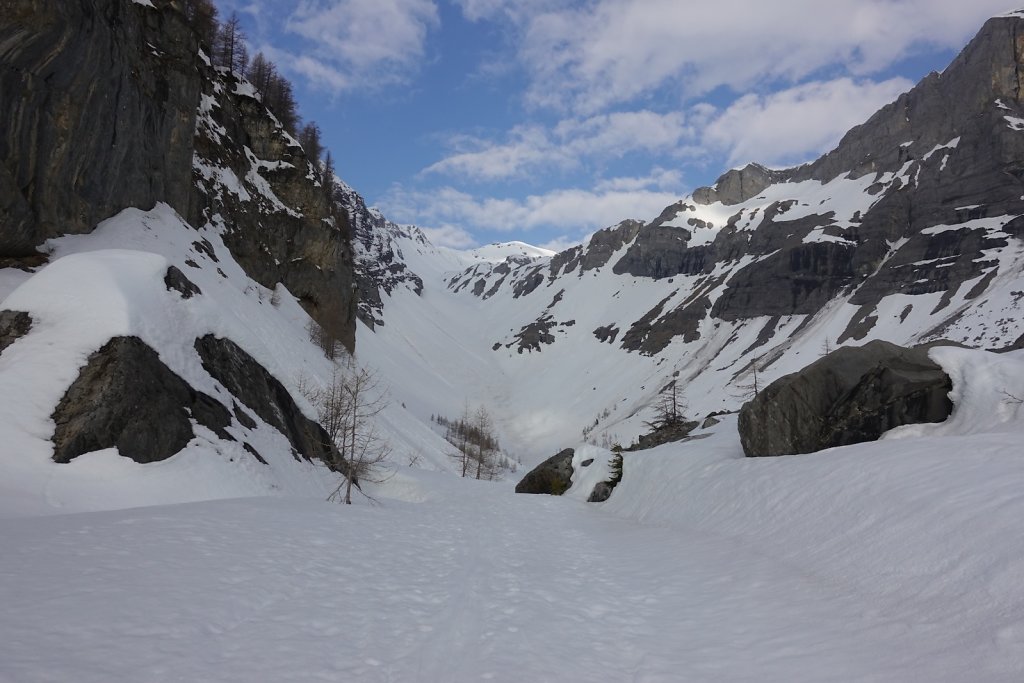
553 476
853 394
125 397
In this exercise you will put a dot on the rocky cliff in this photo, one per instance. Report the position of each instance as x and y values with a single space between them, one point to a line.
917 200
99 110
174 241
380 262
120 108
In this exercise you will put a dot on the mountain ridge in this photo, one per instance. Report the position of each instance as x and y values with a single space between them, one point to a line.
909 230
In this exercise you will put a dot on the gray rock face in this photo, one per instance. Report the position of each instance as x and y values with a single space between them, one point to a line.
937 109
552 477
602 492
853 394
668 434
380 267
176 280
661 252
536 333
125 397
604 243
297 237
947 153
738 185
264 395
105 118
99 109
13 326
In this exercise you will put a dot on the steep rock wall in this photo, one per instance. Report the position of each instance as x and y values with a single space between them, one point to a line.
98 113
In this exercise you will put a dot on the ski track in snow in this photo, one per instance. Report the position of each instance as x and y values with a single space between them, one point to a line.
481 585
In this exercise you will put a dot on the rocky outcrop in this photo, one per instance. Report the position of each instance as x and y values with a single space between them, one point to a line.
604 243
738 185
116 107
941 107
853 394
175 280
126 398
264 395
668 433
281 225
380 266
659 252
13 326
99 112
552 477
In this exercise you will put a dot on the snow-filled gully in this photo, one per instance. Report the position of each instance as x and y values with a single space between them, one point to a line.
471 583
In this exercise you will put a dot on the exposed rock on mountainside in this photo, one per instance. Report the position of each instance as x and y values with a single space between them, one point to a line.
246 379
380 262
114 104
918 200
552 477
125 397
13 326
99 112
738 185
853 394
118 107
281 225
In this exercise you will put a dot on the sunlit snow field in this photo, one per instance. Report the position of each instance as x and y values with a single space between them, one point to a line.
900 560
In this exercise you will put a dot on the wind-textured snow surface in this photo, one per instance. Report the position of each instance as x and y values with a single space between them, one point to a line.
899 560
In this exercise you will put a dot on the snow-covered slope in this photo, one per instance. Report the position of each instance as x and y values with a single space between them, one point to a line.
111 284
898 560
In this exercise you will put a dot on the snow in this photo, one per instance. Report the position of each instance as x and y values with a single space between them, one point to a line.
110 283
1014 122
586 477
500 251
246 89
894 560
145 3
992 225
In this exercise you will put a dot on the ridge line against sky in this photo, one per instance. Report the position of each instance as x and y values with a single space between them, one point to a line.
542 121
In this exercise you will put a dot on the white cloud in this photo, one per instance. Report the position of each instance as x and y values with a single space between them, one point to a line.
450 236
797 124
565 209
565 145
526 147
594 54
658 178
348 44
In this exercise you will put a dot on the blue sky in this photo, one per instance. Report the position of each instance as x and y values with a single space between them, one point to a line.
544 120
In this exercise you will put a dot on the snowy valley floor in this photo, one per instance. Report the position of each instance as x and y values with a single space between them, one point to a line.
467 582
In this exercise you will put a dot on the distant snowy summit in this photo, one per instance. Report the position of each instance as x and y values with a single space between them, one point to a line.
499 252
